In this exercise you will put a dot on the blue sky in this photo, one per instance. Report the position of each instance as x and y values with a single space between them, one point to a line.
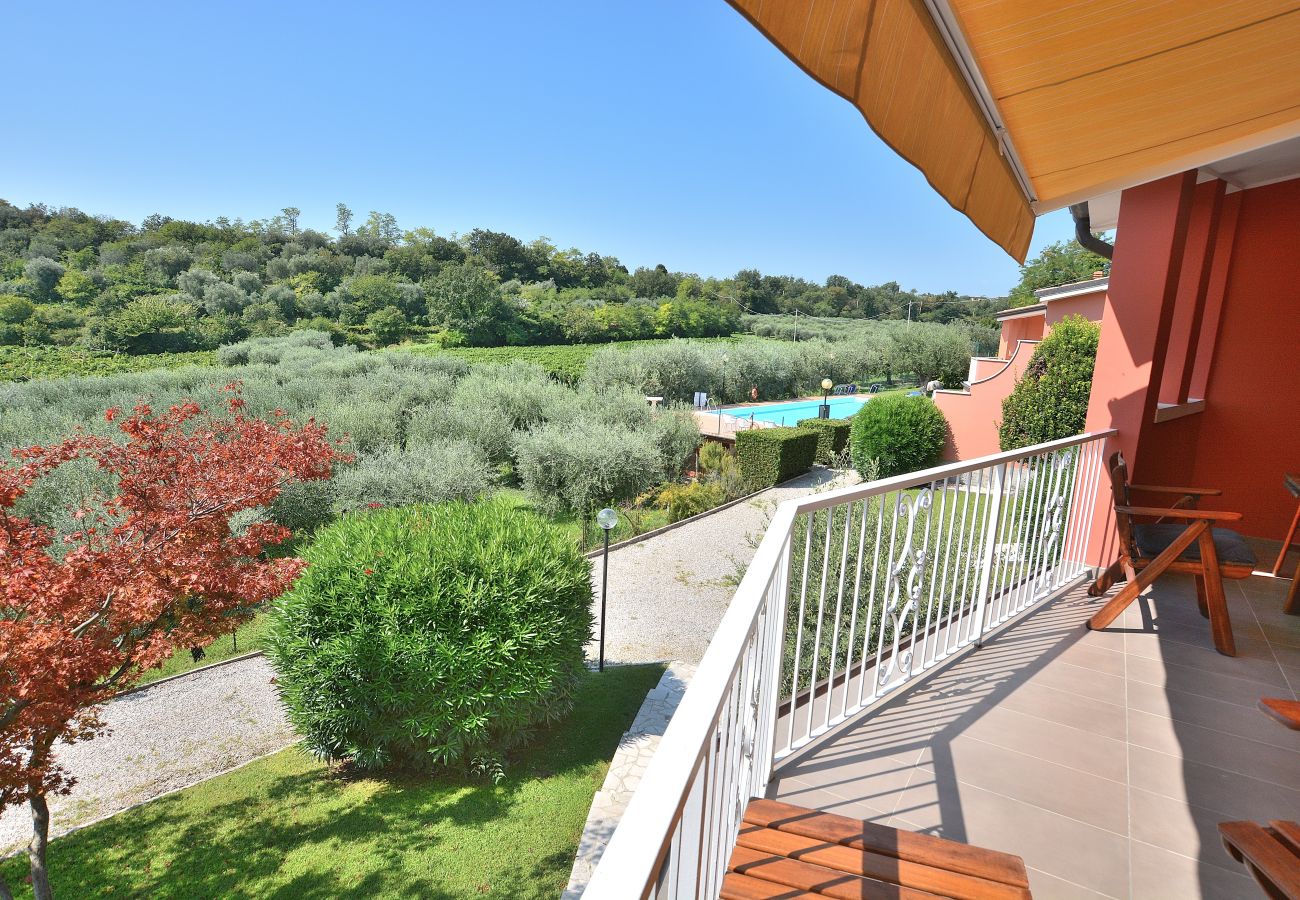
668 131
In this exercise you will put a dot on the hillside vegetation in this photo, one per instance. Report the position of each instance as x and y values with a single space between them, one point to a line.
167 285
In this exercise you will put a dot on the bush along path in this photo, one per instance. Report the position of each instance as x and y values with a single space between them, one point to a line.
666 597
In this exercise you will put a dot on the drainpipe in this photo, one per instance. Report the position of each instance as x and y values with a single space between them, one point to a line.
1083 232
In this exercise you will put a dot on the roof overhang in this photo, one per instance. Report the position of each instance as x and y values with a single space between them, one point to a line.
1021 312
1012 108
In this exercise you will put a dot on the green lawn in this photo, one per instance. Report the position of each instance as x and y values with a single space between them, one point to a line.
286 827
250 636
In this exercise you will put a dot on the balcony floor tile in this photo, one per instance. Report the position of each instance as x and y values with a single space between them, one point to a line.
1104 759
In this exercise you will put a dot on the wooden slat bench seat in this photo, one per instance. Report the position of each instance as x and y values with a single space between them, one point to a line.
1270 853
788 851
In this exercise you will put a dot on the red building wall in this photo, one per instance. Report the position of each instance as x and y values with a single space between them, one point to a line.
1186 251
1249 433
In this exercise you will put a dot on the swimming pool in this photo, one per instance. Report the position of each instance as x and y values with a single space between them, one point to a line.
791 412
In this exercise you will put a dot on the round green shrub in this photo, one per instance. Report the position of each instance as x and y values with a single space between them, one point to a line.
431 636
1050 401
900 433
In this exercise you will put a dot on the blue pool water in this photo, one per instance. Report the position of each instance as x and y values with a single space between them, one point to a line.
791 412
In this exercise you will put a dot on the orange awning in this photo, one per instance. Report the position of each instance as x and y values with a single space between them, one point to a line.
1093 95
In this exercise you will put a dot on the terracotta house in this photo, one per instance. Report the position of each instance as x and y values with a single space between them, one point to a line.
973 412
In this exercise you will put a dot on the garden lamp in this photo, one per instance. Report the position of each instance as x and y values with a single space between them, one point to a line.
825 411
607 519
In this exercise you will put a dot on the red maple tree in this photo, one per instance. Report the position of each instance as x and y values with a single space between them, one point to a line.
156 567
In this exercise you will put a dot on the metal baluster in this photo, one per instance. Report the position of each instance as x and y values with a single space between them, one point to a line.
798 634
853 617
871 603
944 597
839 606
1006 578
885 600
934 581
959 593
821 610
988 556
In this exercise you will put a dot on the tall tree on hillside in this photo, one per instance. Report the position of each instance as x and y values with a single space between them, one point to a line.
291 214
158 567
1058 263
342 218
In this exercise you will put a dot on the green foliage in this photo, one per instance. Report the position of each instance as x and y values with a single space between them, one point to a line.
894 434
435 472
690 499
149 324
468 299
832 437
388 325
348 837
1050 399
483 288
42 275
432 636
1059 263
15 310
29 363
769 456
581 466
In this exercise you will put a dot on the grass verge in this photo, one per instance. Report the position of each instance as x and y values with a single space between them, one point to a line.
286 827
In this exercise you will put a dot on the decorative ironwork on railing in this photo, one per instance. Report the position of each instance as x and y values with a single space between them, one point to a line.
852 594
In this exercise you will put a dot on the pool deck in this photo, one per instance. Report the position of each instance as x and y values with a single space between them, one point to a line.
724 427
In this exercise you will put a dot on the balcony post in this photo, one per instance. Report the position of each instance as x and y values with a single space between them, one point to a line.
778 599
989 551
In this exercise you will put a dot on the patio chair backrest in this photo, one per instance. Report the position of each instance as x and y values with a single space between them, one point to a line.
1120 496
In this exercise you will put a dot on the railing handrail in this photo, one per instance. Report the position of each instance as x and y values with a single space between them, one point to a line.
654 806
814 502
665 789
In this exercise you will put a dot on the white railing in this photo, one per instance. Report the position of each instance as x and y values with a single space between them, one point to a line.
852 594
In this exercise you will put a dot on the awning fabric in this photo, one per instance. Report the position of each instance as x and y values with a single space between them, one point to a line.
1095 95
887 58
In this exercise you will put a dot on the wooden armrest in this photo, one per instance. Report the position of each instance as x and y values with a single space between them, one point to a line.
1187 514
1165 489
1272 861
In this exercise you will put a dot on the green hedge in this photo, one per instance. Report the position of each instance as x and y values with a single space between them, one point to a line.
768 456
832 436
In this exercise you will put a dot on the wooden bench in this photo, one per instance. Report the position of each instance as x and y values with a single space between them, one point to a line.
789 852
1271 853
1285 711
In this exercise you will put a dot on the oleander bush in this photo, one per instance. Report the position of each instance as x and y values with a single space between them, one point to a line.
899 433
832 437
769 456
1050 400
431 637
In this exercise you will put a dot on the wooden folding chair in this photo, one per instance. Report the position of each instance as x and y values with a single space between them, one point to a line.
1188 543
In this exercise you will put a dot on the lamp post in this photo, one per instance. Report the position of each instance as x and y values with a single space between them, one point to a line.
825 411
607 519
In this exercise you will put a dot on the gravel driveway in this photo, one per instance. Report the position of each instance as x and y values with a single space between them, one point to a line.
666 596
164 737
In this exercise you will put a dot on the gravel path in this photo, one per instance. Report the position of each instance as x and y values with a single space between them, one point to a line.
164 737
666 596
